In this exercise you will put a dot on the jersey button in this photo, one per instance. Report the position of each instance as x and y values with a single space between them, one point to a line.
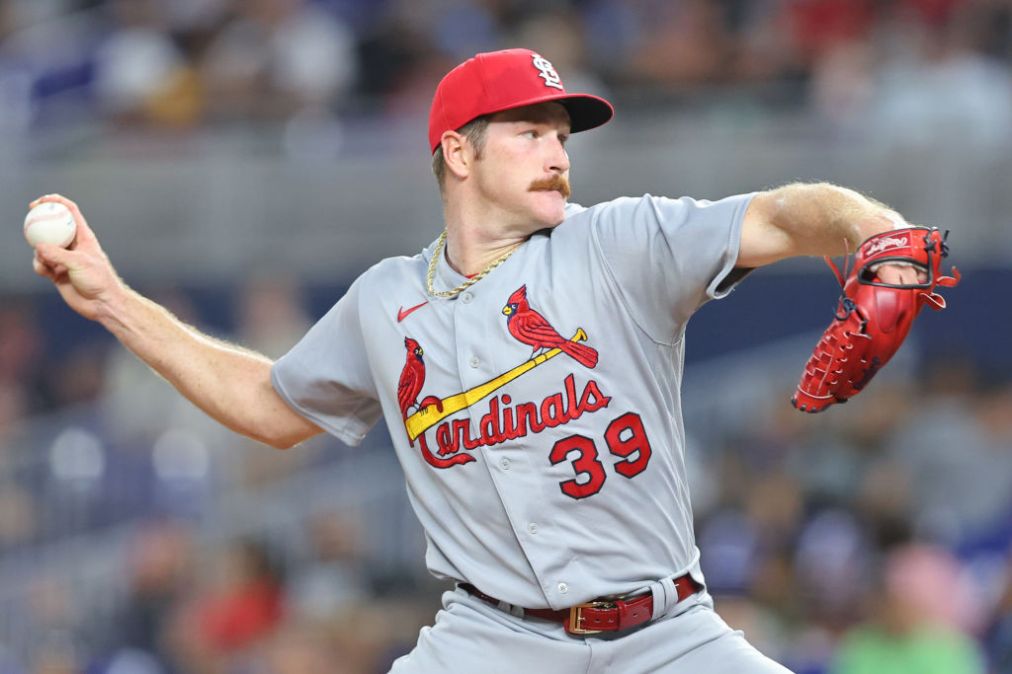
474 362
504 463
532 528
466 298
563 588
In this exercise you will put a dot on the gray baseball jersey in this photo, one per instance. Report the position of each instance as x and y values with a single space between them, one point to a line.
537 414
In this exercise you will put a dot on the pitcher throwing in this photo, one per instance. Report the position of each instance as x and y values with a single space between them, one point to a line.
544 453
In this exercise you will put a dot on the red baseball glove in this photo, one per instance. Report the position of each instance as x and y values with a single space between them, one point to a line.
872 318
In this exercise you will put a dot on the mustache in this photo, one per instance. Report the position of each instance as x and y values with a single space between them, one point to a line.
554 183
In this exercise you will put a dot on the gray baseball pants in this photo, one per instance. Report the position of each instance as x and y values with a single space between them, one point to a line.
472 637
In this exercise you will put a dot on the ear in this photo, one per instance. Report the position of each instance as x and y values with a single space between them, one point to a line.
457 154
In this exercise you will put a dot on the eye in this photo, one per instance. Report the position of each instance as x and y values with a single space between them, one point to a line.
563 138
533 134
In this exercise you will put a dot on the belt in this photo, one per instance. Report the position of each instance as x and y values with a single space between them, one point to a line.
599 615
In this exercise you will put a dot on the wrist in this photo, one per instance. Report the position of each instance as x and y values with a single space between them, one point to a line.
886 220
896 220
114 307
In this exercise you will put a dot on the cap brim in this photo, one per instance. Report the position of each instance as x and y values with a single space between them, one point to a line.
586 111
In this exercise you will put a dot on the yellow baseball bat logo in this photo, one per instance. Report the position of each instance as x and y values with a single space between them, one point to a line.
426 418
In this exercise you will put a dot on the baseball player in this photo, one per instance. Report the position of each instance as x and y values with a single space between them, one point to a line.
528 365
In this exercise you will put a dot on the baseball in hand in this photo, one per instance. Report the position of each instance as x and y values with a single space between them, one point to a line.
50 222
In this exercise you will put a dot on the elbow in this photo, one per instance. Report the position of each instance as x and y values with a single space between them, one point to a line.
287 443
279 441
272 441
268 435
281 436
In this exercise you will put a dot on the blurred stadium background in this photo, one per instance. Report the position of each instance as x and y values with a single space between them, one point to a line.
243 160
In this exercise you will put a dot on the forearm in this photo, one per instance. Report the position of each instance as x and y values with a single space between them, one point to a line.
229 383
824 219
810 219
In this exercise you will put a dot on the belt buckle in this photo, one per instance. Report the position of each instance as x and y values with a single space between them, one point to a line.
576 617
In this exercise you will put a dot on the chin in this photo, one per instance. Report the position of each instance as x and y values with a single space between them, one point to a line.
551 214
549 220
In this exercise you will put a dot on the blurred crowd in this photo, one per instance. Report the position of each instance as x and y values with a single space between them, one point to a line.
871 540
118 551
875 539
908 70
878 539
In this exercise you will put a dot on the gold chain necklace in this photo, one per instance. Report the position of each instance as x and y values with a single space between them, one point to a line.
438 253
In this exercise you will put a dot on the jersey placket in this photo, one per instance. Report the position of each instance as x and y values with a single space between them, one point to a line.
477 313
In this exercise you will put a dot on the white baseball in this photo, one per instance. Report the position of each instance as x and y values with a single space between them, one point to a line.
50 222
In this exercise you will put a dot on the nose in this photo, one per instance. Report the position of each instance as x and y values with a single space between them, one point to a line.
558 158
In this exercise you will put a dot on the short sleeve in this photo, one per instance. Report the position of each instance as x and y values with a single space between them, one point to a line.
326 376
669 256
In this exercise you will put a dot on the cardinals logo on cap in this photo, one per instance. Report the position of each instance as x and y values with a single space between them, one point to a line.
548 73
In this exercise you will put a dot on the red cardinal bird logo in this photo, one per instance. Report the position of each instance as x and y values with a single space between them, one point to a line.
531 328
412 379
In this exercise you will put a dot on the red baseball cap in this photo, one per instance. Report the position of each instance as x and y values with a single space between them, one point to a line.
500 80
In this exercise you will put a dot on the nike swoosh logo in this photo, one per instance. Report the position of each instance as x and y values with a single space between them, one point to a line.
403 313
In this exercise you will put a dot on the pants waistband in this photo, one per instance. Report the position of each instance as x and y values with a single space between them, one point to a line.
607 614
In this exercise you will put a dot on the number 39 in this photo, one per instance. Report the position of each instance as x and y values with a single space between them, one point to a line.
625 437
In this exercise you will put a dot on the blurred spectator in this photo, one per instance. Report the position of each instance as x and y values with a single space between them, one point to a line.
938 87
140 74
245 604
999 637
275 58
271 315
873 66
53 620
79 376
159 568
305 649
818 27
239 609
49 46
21 349
459 28
13 408
762 52
730 544
958 495
684 43
843 83
832 558
913 627
333 577
18 517
15 83
401 64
